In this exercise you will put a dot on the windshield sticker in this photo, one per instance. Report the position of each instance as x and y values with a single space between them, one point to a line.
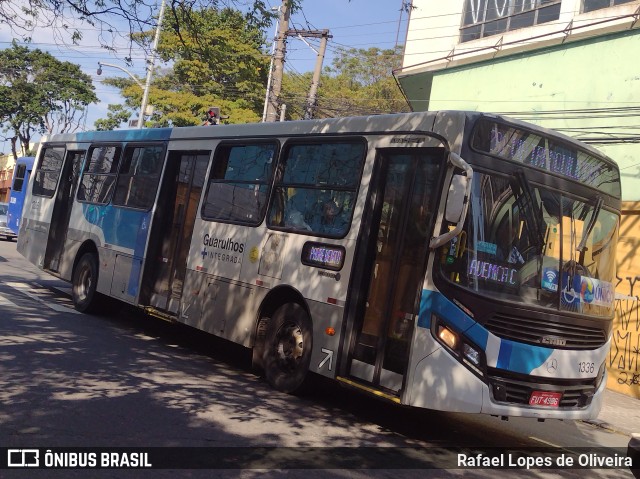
550 279
589 291
484 247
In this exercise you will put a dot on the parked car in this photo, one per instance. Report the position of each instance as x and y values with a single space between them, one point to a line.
5 232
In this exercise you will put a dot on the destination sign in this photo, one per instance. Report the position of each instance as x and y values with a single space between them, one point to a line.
534 149
323 256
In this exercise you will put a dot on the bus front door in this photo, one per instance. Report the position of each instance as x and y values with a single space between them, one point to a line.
395 262
173 227
62 209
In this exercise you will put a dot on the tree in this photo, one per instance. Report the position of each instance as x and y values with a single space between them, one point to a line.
359 82
216 61
112 20
40 94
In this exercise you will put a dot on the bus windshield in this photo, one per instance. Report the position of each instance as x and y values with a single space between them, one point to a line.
535 246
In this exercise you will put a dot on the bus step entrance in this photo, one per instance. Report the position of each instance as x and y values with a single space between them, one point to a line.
156 313
371 390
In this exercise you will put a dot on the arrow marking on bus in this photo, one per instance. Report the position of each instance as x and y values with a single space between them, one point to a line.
329 358
26 290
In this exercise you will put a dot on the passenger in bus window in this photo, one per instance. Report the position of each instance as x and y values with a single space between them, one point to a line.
294 218
332 220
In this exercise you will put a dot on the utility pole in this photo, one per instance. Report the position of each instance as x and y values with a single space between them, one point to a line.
278 64
154 48
312 97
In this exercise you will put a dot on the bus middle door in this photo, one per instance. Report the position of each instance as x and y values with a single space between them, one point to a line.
395 262
173 227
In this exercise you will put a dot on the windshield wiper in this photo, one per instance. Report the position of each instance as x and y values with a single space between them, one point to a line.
590 224
527 203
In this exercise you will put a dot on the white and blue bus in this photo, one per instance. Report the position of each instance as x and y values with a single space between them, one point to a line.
448 260
21 173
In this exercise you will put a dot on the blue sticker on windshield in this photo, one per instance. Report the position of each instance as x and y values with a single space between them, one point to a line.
550 279
484 247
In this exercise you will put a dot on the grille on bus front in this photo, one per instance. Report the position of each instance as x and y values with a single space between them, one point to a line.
548 333
516 390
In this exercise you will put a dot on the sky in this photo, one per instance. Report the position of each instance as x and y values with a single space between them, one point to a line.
353 24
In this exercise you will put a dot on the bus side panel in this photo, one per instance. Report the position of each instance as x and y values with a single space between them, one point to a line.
326 343
34 227
220 306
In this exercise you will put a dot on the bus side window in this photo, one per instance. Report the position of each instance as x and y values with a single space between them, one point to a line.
238 185
99 176
139 176
317 188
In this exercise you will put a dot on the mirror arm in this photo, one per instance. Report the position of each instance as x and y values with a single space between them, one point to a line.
457 161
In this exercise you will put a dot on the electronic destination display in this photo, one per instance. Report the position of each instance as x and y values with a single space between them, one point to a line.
323 255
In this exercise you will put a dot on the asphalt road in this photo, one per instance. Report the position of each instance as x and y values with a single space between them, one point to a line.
121 379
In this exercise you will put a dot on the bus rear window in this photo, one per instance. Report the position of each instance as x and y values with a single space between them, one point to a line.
48 172
21 171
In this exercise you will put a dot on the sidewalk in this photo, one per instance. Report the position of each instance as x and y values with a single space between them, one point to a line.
620 413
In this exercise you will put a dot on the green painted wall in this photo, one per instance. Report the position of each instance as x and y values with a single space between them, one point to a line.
553 87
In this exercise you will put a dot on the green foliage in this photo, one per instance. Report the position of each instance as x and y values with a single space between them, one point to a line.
40 94
215 58
113 19
359 82
116 115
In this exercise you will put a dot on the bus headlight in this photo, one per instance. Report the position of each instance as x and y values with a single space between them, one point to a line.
460 347
448 337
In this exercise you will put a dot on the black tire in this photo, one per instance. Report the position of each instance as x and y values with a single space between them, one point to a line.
84 283
287 348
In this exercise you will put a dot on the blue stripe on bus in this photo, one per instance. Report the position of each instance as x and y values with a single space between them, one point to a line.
120 227
512 356
138 252
434 302
521 358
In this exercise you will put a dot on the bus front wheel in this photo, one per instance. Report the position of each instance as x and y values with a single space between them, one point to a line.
288 345
85 281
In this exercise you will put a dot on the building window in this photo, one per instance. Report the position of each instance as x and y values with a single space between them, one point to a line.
591 5
483 18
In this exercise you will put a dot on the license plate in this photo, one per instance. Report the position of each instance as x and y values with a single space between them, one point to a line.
545 398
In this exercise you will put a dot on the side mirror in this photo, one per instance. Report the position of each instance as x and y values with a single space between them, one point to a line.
456 198
457 201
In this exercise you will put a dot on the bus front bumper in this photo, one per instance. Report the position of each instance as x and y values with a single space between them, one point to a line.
442 383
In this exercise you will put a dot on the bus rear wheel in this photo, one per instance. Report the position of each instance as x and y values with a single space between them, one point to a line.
288 345
85 281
